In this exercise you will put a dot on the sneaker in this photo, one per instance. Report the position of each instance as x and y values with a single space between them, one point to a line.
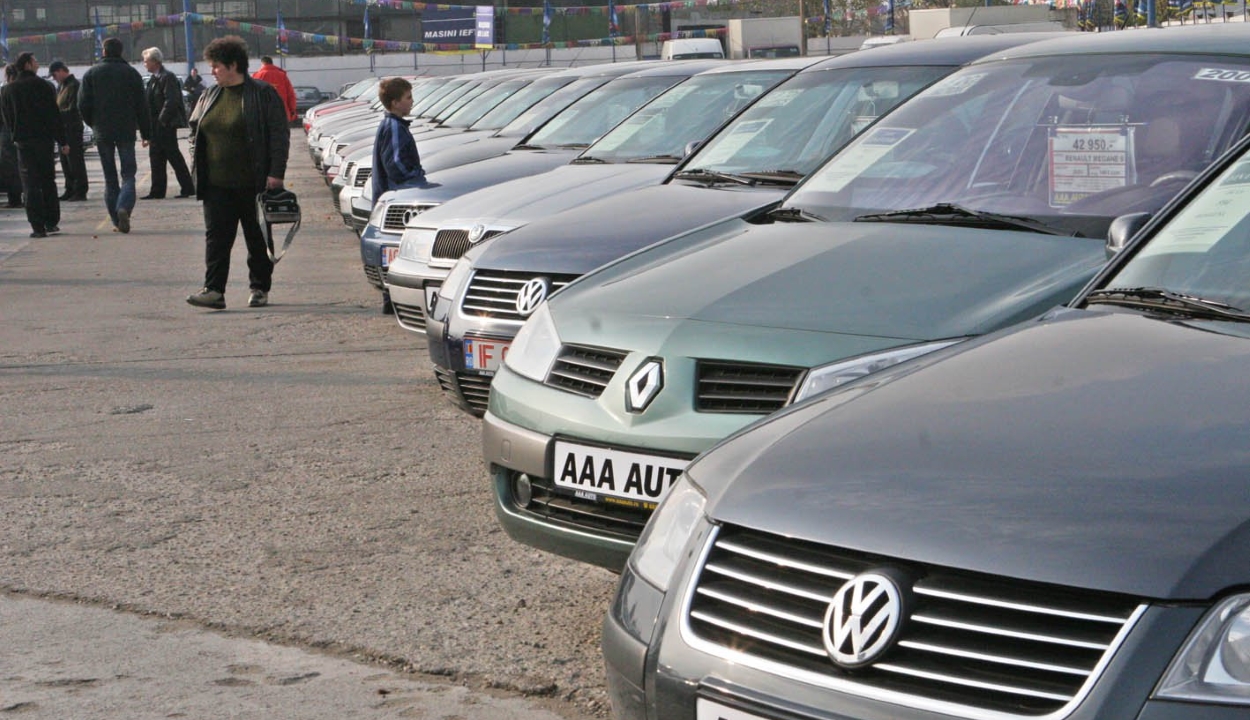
258 298
123 221
208 298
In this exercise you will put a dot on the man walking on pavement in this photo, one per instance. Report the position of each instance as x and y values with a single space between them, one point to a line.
277 77
111 102
168 113
73 163
28 105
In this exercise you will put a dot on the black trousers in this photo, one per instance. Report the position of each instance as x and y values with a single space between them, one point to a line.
225 209
9 176
74 165
38 170
164 149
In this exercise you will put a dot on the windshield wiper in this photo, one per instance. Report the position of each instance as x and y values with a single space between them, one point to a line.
711 177
1155 298
794 214
528 147
573 146
666 159
951 214
776 177
589 160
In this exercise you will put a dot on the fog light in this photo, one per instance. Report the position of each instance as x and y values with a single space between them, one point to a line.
522 490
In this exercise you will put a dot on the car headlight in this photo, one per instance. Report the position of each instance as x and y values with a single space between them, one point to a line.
1214 665
378 214
658 551
535 347
826 377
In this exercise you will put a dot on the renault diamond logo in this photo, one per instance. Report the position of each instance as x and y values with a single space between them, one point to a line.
475 234
863 619
644 385
531 295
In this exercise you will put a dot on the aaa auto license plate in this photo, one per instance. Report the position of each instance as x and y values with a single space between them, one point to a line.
618 477
708 710
389 253
484 355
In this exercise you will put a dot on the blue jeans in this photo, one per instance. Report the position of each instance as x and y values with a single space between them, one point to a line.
118 196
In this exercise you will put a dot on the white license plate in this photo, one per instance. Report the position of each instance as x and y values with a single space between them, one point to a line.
615 476
485 355
389 253
708 710
431 298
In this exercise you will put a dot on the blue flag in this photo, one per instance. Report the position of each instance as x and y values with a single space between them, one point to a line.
283 48
546 21
888 25
368 34
828 18
4 37
614 27
99 36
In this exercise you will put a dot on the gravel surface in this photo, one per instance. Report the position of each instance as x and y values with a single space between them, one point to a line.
288 473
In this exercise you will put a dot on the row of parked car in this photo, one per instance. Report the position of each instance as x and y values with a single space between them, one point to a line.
909 383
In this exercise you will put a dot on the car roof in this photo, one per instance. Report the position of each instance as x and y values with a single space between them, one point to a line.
1218 39
615 69
788 63
664 68
933 51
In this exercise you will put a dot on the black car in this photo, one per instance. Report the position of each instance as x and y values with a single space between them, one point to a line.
307 96
1051 521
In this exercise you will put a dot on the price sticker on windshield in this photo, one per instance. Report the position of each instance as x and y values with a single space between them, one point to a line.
1088 160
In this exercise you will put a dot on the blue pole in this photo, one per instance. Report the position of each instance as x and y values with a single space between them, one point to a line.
186 25
1151 19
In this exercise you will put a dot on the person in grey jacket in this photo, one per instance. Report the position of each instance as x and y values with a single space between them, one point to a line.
168 113
240 141
111 102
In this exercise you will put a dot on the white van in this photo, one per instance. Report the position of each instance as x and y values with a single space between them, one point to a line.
691 48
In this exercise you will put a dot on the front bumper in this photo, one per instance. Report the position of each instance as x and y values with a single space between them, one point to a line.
376 251
411 285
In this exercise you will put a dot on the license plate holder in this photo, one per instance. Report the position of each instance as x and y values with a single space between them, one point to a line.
484 354
389 253
618 477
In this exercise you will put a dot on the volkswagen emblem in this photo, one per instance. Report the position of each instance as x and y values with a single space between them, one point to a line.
863 619
476 233
644 385
531 295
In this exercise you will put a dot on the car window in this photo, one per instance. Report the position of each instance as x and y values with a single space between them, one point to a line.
520 101
1065 140
1204 251
590 117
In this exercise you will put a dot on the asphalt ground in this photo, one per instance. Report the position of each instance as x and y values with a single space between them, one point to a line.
253 511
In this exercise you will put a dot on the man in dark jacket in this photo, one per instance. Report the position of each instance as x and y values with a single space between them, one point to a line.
73 163
168 113
10 180
111 102
28 105
239 146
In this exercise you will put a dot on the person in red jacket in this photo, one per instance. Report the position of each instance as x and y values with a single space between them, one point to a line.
276 76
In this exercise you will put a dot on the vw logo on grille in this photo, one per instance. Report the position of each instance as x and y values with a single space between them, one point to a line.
531 295
863 619
476 233
644 385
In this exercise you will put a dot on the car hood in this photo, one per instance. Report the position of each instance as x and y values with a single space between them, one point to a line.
471 152
428 147
454 182
1102 450
904 282
579 240
517 202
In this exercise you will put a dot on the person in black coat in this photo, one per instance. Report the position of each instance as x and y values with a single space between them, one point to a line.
9 178
28 105
111 102
167 113
73 163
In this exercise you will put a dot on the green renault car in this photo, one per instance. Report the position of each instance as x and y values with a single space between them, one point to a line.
979 203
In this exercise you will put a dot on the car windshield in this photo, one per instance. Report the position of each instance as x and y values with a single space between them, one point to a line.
662 128
360 88
799 124
581 123
441 94
550 106
520 101
1203 252
1069 142
473 110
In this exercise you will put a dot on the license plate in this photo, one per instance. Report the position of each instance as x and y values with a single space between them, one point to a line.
431 298
708 710
615 476
484 355
389 253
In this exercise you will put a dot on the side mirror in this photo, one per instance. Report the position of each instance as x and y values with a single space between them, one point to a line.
691 147
1123 229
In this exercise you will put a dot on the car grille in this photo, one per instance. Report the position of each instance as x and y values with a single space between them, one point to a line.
409 316
347 169
621 521
726 387
451 244
991 644
584 370
362 176
394 220
338 203
376 275
492 293
467 390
